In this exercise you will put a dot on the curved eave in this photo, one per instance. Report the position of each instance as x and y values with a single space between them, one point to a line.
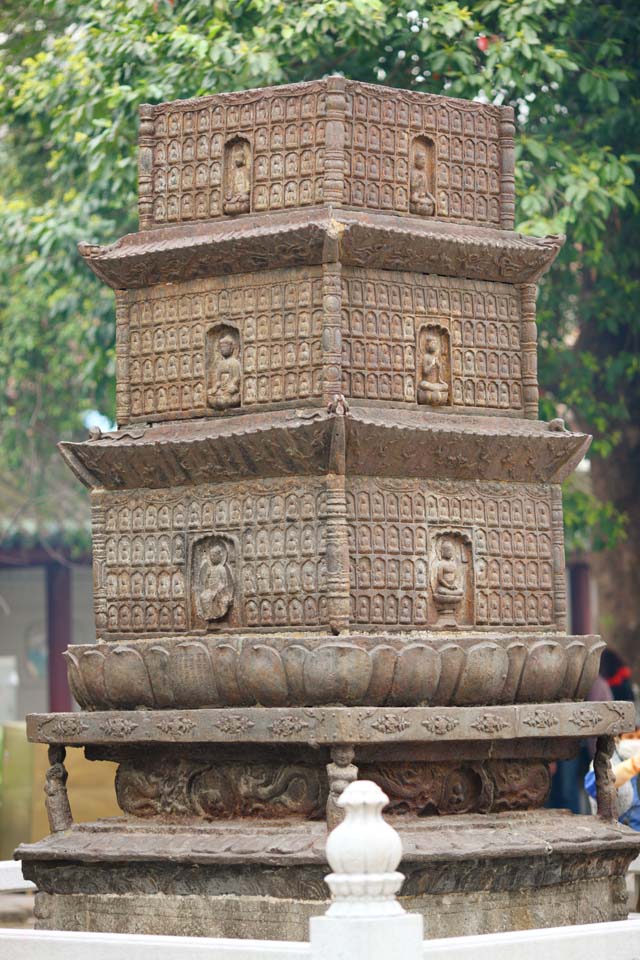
412 444
316 235
291 443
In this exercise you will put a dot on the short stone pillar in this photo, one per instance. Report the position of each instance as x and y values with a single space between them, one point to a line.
365 919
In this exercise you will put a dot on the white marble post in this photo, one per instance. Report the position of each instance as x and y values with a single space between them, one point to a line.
365 919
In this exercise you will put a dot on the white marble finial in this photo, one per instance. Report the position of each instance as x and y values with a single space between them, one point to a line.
364 852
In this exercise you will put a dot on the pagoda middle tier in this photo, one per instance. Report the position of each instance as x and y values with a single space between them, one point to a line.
322 310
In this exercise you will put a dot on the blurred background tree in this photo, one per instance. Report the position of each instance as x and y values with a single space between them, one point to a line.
73 73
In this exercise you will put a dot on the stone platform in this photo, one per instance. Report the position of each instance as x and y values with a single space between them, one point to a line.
469 873
188 858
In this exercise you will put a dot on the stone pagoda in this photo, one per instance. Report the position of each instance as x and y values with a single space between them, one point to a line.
327 534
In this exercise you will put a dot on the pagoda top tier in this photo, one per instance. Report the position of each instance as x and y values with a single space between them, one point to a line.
332 141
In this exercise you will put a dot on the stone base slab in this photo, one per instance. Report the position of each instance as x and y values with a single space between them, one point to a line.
271 918
467 874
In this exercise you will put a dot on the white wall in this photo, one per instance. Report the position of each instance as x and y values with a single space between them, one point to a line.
23 637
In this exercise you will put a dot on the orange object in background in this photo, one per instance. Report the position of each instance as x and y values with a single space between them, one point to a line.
23 816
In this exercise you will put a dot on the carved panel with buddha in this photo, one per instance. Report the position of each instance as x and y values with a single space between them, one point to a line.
449 554
442 341
201 347
254 555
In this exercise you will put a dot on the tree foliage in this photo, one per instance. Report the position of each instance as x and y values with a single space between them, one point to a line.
73 73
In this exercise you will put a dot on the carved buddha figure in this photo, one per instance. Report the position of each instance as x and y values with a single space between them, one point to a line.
225 376
421 200
238 183
214 583
448 578
448 584
432 389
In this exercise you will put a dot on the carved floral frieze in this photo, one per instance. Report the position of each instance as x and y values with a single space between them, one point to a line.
338 727
489 723
439 725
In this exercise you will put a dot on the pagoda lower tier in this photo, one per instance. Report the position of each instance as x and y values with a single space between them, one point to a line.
224 829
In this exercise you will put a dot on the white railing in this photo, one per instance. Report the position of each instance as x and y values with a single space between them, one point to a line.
633 884
11 879
364 922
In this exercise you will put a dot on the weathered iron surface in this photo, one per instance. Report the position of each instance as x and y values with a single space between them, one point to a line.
177 254
300 443
327 536
394 669
330 141
188 788
329 725
535 836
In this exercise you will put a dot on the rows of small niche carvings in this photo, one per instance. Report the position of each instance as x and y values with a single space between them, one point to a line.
426 159
236 541
508 572
434 160
256 343
478 550
437 340
235 157
277 356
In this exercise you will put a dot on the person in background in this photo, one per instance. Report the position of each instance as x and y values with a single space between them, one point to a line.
625 764
617 674
568 775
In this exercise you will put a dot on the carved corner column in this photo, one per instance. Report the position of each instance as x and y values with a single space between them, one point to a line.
332 320
560 584
338 585
529 343
341 772
123 382
333 188
99 539
507 169
606 793
55 788
145 167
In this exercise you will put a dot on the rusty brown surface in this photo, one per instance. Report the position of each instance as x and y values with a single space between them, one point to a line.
334 141
321 236
331 725
305 670
327 535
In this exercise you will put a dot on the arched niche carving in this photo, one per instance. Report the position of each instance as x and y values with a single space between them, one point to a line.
452 579
433 373
422 177
224 369
213 581
237 176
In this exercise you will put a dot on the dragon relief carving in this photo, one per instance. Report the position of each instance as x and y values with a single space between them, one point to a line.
200 788
425 789
188 788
